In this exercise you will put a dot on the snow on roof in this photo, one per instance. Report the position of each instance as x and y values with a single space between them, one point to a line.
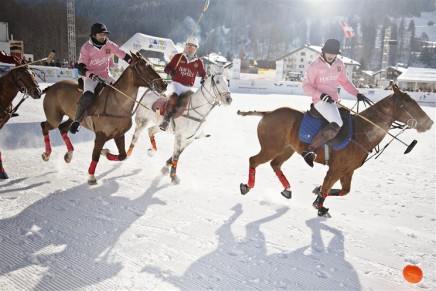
317 49
413 74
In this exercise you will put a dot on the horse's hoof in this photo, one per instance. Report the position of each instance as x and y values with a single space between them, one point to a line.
68 157
175 180
45 157
287 193
3 175
165 171
150 152
244 188
92 180
104 152
324 212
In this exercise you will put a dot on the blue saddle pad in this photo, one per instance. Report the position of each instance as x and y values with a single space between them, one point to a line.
310 126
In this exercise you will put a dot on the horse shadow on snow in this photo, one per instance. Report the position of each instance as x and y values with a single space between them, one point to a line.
66 238
245 265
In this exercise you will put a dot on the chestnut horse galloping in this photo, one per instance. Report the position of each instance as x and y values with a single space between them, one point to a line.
20 79
110 116
278 134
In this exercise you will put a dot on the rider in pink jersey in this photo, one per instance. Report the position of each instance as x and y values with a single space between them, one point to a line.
322 78
94 63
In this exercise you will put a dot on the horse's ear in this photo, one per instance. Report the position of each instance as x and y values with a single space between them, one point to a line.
396 88
134 57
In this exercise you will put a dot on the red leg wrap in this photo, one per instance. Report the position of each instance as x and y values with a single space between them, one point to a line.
92 167
251 177
47 144
283 179
67 142
112 157
173 169
153 143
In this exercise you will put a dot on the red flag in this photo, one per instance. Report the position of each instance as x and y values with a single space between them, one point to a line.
348 30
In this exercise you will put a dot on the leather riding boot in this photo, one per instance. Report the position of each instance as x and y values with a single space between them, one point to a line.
169 111
327 133
84 102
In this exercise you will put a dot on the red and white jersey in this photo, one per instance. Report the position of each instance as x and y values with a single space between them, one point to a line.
186 70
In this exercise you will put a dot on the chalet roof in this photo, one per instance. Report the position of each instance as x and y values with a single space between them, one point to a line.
413 74
317 49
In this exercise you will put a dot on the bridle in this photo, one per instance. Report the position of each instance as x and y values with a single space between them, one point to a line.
17 75
215 93
409 124
150 83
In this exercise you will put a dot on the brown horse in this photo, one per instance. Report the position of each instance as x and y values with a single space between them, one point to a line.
110 116
278 133
20 79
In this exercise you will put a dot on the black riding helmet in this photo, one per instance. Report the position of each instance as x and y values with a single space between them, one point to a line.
332 46
98 28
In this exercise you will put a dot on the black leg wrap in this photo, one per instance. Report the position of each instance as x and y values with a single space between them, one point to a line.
319 201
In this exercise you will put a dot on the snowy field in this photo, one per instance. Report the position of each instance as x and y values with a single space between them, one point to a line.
134 230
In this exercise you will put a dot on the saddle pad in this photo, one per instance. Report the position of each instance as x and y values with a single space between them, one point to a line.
310 126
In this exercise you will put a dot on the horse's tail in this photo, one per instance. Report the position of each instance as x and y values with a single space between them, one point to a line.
252 113
45 90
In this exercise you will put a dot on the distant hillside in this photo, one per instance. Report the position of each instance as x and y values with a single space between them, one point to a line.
259 29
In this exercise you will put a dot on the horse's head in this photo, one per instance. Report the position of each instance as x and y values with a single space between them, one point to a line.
217 86
146 75
24 79
408 111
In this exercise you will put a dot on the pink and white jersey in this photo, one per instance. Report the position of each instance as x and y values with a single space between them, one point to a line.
324 78
97 60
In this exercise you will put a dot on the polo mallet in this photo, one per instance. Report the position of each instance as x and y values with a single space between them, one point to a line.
49 58
206 5
409 147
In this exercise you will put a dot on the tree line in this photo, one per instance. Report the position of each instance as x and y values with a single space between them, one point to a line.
260 29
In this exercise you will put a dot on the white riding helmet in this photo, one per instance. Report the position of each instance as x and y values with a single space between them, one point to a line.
193 40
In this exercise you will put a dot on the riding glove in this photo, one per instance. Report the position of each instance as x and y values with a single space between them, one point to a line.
172 72
326 98
96 78
360 97
202 81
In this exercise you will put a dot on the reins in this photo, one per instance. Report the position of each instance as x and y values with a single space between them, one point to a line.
394 125
19 85
151 86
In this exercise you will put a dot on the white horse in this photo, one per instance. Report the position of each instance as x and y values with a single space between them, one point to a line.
186 127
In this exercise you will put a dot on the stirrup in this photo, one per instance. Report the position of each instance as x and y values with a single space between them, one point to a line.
309 157
74 127
164 125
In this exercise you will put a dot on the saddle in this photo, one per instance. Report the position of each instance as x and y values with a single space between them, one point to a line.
313 121
180 107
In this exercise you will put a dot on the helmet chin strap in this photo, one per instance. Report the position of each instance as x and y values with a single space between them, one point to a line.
325 59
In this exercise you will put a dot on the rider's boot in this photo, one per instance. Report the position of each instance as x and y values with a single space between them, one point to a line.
84 102
327 133
169 111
